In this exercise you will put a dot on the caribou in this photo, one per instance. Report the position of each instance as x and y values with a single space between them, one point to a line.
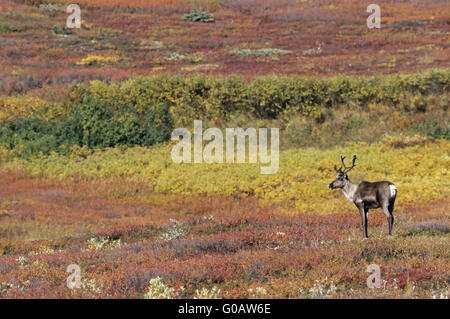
366 195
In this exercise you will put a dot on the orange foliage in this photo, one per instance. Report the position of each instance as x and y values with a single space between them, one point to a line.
245 250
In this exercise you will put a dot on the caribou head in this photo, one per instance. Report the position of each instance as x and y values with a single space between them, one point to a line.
341 174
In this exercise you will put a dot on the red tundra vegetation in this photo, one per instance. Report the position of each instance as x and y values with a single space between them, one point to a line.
245 250
132 241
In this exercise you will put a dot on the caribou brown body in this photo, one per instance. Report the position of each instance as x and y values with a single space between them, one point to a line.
366 195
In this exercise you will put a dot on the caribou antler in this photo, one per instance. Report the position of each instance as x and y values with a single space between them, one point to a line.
340 168
346 169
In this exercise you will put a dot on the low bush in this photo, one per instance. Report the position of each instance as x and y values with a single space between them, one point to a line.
58 29
29 137
92 124
104 126
404 141
10 28
303 176
198 15
144 110
98 60
17 106
209 98
261 52
434 129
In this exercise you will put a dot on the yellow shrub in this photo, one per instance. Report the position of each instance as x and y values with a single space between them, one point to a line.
420 173
3 154
91 60
12 107
404 141
79 153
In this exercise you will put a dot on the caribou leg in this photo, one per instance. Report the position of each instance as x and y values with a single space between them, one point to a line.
363 211
389 216
391 213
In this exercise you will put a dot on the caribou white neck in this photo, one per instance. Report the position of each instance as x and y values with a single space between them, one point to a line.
349 191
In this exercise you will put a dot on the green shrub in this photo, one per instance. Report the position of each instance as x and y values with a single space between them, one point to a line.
31 136
261 52
434 129
58 29
92 123
212 98
144 110
198 15
105 126
10 28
